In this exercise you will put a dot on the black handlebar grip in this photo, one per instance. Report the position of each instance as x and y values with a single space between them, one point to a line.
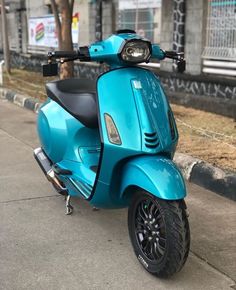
62 54
174 55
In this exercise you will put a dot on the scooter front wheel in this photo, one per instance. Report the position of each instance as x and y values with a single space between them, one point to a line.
159 232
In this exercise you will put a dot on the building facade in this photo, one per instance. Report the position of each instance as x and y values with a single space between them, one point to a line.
205 30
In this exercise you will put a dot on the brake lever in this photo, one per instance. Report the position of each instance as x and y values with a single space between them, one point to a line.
180 53
180 56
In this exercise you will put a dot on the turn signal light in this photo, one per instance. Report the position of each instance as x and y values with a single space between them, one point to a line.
112 132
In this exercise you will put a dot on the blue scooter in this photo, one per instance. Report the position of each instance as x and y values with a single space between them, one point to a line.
111 142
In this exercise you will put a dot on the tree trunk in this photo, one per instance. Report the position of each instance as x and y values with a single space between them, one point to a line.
67 69
57 22
63 27
5 38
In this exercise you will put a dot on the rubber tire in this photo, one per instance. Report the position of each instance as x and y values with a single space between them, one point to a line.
177 235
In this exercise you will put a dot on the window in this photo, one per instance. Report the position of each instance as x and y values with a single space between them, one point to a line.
142 16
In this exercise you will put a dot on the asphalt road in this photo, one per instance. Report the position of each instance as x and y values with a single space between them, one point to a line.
42 248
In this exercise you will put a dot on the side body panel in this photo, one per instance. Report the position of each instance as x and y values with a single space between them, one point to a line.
133 97
65 141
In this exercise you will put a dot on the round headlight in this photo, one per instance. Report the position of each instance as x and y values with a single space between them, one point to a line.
136 51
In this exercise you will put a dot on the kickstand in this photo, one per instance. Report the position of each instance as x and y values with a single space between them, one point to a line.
95 209
69 207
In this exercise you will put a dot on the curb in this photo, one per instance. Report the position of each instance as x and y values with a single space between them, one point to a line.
193 169
206 175
20 100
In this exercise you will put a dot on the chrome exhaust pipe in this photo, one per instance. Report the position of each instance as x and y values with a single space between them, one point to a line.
46 166
52 178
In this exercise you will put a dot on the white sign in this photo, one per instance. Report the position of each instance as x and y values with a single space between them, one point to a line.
138 4
42 31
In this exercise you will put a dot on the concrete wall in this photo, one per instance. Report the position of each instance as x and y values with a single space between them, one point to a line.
14 25
36 8
194 36
167 31
82 7
109 20
24 36
157 27
1 43
109 17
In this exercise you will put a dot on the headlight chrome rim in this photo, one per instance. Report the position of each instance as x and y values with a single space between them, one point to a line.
138 44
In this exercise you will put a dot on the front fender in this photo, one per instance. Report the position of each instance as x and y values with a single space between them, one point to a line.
155 174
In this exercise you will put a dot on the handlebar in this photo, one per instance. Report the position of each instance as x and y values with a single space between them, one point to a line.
82 54
62 54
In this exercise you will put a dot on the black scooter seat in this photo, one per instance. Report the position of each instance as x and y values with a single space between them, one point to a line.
78 97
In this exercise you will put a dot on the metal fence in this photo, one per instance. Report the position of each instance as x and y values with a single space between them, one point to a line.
221 30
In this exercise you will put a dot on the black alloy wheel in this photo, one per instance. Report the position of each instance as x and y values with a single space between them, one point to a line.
150 229
159 233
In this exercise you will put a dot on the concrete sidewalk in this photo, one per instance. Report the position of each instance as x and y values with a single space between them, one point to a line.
41 248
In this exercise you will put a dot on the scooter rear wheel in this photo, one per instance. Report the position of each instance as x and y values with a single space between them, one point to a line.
159 232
